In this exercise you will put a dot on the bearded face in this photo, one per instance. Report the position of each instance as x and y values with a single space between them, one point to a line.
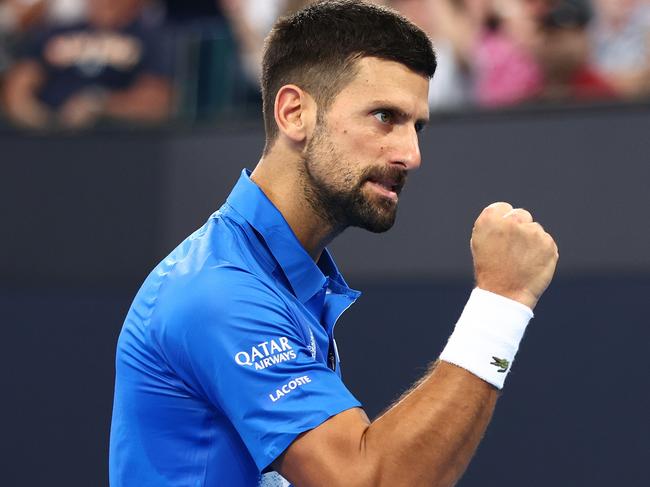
362 146
344 192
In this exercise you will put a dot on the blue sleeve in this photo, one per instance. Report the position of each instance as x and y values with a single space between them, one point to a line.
236 343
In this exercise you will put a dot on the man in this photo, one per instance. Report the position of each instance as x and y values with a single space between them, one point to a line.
110 67
227 370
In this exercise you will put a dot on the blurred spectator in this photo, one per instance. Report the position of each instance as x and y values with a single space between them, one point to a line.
517 51
109 66
19 15
568 74
451 88
506 62
620 39
16 16
499 42
251 21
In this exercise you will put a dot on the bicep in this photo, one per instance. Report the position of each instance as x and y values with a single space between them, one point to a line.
331 454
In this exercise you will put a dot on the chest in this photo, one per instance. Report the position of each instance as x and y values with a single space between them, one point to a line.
317 319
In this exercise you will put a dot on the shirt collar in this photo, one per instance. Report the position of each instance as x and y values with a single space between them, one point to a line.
304 275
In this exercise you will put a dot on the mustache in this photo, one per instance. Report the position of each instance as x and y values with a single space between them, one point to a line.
395 175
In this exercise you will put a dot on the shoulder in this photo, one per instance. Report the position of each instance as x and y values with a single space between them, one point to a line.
222 285
217 266
221 297
212 282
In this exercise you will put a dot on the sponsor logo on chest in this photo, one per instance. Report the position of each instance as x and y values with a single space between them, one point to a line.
266 354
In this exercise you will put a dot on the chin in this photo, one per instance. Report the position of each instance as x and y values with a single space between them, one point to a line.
381 221
378 228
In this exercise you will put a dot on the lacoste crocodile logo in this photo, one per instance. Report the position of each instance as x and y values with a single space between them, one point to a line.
502 363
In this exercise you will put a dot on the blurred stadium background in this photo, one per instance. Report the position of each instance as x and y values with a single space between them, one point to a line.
125 122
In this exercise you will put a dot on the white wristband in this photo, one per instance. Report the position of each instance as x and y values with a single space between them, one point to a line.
487 336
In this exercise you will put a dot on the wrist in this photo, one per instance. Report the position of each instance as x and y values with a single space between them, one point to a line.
524 296
487 336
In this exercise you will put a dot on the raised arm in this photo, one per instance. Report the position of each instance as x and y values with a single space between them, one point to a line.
148 100
429 436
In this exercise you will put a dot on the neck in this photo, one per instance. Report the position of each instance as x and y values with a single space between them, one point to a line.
278 177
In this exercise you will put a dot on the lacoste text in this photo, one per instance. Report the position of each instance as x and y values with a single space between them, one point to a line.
288 387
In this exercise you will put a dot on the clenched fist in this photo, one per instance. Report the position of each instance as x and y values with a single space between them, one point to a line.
513 255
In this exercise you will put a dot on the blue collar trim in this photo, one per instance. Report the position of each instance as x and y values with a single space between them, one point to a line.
304 275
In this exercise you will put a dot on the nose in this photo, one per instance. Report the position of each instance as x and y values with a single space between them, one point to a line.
407 147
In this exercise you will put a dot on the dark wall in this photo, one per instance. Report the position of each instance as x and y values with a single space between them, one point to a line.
84 218
573 413
574 409
112 203
584 174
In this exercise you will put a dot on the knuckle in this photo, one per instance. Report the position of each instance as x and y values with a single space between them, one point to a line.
497 208
502 205
536 230
525 214
519 215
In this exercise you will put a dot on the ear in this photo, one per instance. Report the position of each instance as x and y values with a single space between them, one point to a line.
295 112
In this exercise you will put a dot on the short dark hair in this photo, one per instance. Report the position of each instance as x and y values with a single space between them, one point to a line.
317 48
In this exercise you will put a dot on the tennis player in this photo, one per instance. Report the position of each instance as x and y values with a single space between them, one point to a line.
227 368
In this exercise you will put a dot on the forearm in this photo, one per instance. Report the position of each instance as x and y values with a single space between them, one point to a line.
148 101
20 99
26 110
426 439
445 416
458 28
430 435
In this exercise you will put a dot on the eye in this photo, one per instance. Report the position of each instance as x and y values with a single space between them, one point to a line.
384 116
419 127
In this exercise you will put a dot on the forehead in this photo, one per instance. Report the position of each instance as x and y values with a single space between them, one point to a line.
388 81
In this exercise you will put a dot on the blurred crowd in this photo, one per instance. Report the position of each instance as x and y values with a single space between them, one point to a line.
74 63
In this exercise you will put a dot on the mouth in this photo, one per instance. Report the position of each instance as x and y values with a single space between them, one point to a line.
387 185
386 190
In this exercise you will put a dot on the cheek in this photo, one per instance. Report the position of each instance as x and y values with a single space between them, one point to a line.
351 150
365 147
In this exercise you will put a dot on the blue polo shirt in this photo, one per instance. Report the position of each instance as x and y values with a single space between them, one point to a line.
227 353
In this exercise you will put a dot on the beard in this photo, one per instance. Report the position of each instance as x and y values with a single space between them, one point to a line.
336 193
